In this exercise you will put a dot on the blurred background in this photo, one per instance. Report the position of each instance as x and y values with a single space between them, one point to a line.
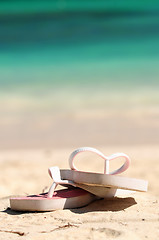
76 73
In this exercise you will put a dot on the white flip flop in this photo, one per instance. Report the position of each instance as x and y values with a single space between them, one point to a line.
103 185
84 187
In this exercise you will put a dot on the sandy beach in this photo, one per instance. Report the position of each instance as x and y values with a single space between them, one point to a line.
132 217
36 136
79 74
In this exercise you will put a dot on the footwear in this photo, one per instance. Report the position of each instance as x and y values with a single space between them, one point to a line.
72 197
83 187
103 185
62 199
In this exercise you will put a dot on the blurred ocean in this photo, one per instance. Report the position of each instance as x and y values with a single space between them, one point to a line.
61 56
88 41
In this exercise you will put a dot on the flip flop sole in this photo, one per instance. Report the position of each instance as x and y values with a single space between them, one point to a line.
96 183
62 199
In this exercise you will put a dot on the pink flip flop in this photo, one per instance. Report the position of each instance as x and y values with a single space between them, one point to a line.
73 197
83 187
61 199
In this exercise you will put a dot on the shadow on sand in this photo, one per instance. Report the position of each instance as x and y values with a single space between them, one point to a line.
103 205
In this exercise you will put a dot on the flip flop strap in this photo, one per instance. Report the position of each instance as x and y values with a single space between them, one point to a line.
123 168
54 173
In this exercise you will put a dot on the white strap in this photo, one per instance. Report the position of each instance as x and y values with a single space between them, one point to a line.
54 173
123 168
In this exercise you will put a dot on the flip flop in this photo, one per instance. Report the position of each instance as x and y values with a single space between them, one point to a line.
62 199
72 197
104 185
83 187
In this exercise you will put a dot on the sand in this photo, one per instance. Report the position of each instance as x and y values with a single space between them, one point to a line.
132 217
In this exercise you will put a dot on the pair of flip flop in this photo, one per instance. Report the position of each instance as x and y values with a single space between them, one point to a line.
82 187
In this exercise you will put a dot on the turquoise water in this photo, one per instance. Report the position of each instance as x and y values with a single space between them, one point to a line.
81 72
49 43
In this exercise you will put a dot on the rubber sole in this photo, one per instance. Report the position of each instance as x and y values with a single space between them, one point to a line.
62 199
103 185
